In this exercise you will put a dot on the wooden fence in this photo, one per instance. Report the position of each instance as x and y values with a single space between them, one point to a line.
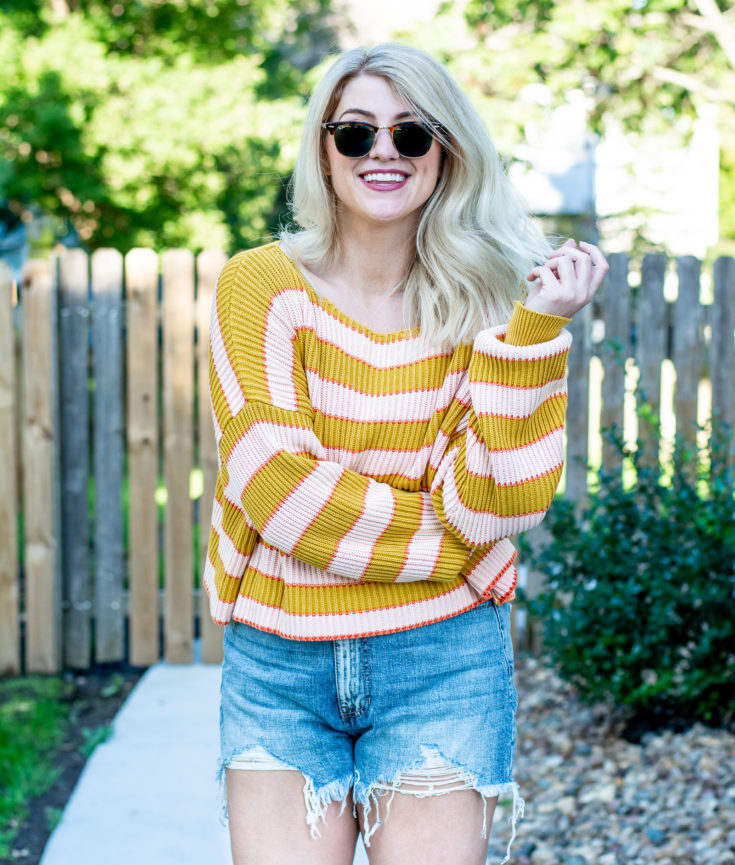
100 556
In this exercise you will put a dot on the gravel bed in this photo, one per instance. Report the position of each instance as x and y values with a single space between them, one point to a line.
594 798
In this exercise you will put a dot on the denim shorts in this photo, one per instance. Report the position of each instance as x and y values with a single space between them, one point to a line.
376 715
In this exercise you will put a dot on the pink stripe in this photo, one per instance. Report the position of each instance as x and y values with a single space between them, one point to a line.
489 342
482 527
279 357
355 551
495 573
260 443
275 565
337 400
496 400
409 464
294 306
425 545
227 549
514 467
293 516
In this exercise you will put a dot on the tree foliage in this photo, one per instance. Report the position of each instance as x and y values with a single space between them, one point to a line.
154 122
642 62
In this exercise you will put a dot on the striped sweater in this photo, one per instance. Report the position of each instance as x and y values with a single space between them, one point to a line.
368 483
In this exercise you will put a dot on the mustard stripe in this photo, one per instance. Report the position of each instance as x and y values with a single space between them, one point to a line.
517 373
333 364
356 435
508 433
483 495
319 543
256 413
315 600
271 485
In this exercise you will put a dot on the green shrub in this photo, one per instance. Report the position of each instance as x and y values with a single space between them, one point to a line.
639 600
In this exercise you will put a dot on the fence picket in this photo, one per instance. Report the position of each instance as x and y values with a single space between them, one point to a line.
41 566
178 380
141 289
9 589
107 275
578 406
722 346
613 353
652 330
73 398
686 348
209 264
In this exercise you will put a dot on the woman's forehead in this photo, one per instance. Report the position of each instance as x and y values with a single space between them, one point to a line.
369 96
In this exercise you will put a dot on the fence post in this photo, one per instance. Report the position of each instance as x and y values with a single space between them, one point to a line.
722 347
9 589
209 264
107 276
42 571
613 354
73 375
178 380
686 350
141 293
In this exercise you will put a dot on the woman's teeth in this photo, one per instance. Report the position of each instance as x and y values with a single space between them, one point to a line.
376 177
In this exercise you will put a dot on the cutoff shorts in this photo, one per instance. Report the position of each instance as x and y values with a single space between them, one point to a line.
362 714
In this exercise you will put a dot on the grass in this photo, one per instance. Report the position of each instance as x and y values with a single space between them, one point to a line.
34 713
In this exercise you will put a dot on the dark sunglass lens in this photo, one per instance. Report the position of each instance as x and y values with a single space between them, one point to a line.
412 139
353 139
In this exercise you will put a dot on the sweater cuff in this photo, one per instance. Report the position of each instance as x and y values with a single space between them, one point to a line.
528 327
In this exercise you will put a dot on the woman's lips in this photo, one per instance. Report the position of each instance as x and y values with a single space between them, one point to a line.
384 181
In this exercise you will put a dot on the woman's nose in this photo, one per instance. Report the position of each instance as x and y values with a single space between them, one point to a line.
383 146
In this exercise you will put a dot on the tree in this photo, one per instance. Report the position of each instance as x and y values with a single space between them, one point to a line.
643 62
642 67
154 122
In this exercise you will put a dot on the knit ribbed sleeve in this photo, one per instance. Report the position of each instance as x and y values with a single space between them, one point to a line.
495 474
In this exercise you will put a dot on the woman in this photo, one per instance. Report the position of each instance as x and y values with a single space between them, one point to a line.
388 412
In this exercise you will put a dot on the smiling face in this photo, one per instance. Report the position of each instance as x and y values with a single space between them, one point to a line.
383 187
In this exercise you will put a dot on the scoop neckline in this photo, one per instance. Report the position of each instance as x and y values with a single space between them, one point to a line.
340 315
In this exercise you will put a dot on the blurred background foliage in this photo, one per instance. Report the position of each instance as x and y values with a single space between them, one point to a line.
154 123
171 123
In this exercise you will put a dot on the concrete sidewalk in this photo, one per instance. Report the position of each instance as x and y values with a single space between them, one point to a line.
148 796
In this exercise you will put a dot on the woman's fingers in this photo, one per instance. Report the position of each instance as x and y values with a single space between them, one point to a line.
542 272
568 280
571 243
600 266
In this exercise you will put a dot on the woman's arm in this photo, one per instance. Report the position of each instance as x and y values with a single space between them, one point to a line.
498 476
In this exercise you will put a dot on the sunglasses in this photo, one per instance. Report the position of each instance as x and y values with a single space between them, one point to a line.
411 139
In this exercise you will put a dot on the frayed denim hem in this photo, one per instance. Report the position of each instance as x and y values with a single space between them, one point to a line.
435 777
316 799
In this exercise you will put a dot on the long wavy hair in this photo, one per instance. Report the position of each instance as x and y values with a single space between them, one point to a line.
475 240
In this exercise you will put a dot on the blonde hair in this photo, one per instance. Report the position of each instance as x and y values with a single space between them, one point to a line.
475 240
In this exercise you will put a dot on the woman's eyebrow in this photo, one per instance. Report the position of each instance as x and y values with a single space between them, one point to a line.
400 116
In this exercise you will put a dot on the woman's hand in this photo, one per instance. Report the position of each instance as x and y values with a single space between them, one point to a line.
568 280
